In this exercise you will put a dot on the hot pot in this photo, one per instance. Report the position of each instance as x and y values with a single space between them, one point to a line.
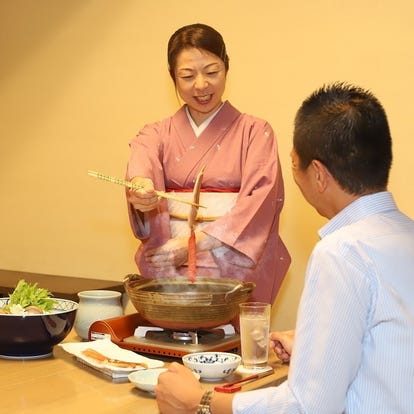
176 303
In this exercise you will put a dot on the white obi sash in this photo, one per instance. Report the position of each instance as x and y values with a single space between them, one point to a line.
216 205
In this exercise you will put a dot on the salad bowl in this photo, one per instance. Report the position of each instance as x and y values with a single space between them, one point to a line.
28 336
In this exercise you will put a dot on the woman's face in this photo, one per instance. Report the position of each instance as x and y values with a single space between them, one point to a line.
200 78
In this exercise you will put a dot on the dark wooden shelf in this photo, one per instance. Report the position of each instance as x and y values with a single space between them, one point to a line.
64 287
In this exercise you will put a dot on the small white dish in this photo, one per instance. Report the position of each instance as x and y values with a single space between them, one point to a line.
146 380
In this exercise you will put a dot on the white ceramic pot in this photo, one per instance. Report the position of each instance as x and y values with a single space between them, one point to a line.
96 305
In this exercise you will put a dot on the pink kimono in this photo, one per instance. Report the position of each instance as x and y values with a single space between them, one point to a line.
240 152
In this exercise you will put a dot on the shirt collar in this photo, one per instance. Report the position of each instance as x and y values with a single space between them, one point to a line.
362 207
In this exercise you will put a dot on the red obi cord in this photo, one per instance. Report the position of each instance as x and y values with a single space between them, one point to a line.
204 190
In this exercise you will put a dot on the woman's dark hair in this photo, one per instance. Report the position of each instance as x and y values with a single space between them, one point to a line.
345 127
198 36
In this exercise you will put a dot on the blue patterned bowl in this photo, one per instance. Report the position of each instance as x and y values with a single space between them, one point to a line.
212 365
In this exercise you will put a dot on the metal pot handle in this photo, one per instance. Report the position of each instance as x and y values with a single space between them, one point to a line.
131 276
240 288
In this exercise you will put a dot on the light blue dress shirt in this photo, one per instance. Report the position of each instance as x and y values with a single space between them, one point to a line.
354 345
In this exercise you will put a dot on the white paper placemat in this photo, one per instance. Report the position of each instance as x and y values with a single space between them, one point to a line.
110 350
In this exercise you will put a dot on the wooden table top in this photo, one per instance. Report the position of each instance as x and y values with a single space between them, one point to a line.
60 384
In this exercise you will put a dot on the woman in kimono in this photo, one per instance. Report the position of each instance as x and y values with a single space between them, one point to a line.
242 192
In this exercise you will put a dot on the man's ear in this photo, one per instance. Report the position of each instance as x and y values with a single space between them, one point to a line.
321 175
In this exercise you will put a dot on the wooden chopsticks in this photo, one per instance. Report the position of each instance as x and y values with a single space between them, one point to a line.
133 186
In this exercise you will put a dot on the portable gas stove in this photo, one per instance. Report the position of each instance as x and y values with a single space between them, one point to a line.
136 334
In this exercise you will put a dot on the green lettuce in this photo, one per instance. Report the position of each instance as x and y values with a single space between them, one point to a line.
26 294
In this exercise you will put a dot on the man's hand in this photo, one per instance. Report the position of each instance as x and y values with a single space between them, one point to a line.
282 343
178 391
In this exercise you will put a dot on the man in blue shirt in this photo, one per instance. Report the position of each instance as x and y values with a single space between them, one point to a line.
353 344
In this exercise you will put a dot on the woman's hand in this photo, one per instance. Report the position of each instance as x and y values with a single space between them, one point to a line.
178 391
175 251
146 198
172 253
282 343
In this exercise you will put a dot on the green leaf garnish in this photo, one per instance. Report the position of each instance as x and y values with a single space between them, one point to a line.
26 294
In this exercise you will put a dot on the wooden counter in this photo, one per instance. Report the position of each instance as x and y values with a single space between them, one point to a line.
60 384
63 287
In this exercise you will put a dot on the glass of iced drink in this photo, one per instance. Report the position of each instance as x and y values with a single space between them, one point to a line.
254 334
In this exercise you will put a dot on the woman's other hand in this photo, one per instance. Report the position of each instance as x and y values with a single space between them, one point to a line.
172 253
282 343
144 199
175 251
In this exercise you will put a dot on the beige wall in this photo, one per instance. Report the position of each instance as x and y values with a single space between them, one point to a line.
78 78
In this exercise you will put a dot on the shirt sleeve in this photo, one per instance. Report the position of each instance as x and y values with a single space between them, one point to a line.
333 315
271 400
